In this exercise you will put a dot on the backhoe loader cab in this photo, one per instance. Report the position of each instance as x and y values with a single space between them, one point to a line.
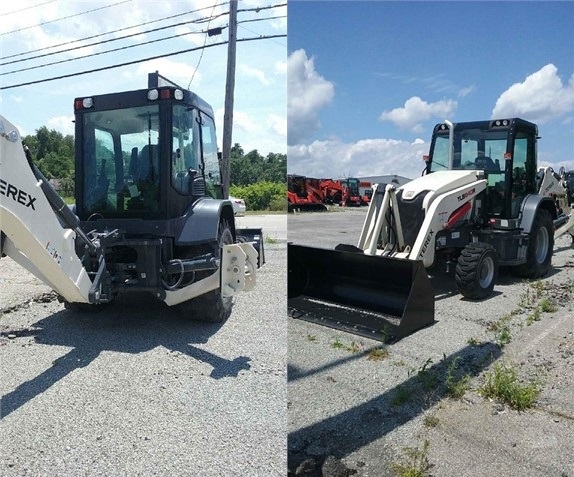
149 212
145 154
505 150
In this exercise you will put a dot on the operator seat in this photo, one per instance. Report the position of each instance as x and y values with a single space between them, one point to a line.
486 163
144 171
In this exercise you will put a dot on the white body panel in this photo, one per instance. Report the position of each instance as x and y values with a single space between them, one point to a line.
449 190
34 237
238 272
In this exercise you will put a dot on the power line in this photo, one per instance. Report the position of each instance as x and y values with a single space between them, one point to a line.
104 52
103 34
258 9
262 19
202 50
200 20
95 70
27 8
65 18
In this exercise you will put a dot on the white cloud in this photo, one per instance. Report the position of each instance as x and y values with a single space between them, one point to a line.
277 125
243 121
178 72
367 157
62 124
466 91
415 110
248 132
281 67
254 73
540 98
308 92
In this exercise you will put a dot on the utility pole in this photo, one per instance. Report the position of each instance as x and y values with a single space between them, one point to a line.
229 95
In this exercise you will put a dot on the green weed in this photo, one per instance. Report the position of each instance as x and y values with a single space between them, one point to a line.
270 240
378 354
502 383
415 462
401 396
456 387
431 421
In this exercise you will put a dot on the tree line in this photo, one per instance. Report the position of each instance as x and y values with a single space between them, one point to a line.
260 180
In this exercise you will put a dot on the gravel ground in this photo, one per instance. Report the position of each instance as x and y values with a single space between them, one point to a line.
136 390
353 410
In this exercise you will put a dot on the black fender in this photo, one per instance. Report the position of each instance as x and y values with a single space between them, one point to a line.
201 222
530 206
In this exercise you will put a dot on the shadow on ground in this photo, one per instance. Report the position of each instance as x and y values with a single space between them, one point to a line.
134 324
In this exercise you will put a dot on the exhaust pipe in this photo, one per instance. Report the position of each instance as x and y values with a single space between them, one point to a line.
376 297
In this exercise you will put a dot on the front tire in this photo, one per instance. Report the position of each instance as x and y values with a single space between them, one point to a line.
476 270
211 307
540 247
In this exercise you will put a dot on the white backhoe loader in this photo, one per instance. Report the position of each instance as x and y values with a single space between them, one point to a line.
149 214
477 206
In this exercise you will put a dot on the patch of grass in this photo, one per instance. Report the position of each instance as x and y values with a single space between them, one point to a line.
534 316
547 306
337 344
270 240
431 421
378 354
415 462
402 395
503 384
456 386
474 341
427 378
503 336
354 347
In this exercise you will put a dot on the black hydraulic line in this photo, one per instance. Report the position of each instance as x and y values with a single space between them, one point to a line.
61 208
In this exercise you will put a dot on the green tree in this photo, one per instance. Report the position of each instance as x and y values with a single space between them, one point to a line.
52 152
252 167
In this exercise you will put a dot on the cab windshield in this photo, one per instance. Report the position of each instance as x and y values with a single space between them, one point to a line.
472 149
121 167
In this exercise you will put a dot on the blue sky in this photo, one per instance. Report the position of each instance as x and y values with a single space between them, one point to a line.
260 84
368 80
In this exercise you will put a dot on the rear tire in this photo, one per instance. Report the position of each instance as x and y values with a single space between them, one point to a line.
211 307
540 247
476 270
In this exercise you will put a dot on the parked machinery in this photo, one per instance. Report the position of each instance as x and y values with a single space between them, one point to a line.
301 196
149 214
476 207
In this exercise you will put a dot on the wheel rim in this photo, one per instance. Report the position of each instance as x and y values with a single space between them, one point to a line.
542 242
486 272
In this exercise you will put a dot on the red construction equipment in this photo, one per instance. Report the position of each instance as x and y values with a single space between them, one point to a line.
332 191
351 194
302 196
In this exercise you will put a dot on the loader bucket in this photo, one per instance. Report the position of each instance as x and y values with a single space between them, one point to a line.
377 297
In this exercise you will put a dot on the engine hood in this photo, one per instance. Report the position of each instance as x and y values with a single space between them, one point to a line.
439 182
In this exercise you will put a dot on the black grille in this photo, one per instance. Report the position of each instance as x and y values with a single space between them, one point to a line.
412 215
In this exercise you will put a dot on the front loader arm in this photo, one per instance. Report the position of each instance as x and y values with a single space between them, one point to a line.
32 233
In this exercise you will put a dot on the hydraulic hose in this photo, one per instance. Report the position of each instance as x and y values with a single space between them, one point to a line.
58 205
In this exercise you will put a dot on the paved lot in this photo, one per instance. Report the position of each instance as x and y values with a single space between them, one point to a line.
138 391
353 411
